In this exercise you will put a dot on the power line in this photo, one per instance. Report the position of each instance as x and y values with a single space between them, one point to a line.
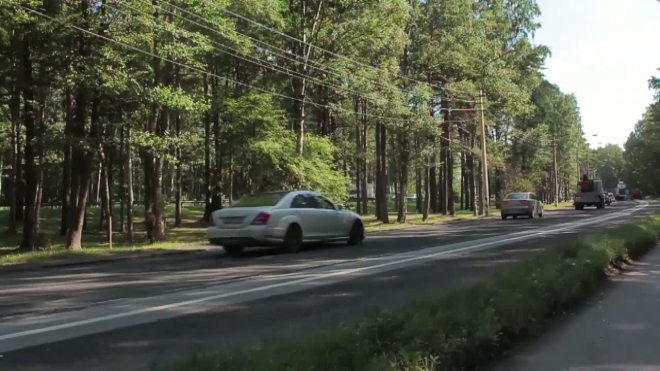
224 9
273 66
144 52
281 52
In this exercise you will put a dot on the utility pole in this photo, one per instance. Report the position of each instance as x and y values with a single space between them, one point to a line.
554 155
484 159
588 167
578 162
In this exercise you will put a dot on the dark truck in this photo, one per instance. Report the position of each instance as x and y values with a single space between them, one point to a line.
590 193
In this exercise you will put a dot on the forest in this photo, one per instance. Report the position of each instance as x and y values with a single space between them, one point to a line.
136 105
641 150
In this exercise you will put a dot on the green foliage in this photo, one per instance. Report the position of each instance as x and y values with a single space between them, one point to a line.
610 164
642 153
460 330
277 165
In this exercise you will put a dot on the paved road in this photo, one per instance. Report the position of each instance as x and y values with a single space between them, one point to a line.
98 317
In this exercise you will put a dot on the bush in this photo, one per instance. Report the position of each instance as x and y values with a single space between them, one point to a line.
460 330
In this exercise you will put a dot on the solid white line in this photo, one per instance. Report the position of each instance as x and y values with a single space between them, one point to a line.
523 235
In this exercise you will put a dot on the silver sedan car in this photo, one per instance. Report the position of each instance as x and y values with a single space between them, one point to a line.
285 219
521 204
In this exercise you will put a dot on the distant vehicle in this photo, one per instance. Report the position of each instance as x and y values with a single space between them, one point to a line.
636 194
622 192
521 204
611 197
286 219
590 193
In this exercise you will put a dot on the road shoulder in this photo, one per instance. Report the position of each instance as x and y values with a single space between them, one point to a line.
619 330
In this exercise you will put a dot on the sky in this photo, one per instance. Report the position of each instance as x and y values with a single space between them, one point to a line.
604 52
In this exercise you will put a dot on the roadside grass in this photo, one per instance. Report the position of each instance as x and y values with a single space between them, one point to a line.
412 218
95 240
561 206
466 328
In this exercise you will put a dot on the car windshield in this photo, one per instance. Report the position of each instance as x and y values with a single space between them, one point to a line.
516 196
260 199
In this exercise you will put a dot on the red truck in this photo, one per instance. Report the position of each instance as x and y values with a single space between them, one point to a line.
636 194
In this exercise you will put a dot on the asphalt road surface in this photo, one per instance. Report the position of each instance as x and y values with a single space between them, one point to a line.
132 314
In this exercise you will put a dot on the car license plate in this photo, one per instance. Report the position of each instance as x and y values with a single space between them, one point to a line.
235 220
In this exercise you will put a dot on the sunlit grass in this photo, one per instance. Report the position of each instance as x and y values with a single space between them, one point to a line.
561 206
412 220
95 241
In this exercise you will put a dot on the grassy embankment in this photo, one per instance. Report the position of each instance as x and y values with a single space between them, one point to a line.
464 329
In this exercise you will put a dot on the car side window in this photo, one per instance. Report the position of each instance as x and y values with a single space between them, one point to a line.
323 203
303 202
532 196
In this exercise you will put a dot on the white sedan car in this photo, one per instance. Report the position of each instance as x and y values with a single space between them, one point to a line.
286 219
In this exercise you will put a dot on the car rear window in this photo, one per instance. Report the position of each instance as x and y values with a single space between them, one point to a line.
516 196
260 199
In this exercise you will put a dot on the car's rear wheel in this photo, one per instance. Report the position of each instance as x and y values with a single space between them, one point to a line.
504 217
356 235
515 217
541 214
293 239
233 250
531 215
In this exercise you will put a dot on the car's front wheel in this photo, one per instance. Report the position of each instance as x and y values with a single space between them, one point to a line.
356 235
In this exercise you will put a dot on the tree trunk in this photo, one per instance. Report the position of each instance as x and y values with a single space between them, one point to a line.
129 185
433 184
179 176
106 194
66 162
216 200
427 190
40 168
122 176
472 174
451 207
15 113
382 201
365 147
403 150
31 176
82 167
207 158
358 160
179 154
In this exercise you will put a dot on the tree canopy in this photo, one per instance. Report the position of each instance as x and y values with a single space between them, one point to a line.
155 102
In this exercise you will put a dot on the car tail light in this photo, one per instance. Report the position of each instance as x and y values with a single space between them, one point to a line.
524 201
505 202
578 196
261 219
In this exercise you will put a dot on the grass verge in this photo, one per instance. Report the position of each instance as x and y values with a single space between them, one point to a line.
464 329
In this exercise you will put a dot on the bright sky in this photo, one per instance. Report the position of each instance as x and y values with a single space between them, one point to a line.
603 51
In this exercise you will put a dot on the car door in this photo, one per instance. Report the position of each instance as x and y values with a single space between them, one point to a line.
328 216
304 206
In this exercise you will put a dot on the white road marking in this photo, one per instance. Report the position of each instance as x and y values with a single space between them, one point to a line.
74 328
